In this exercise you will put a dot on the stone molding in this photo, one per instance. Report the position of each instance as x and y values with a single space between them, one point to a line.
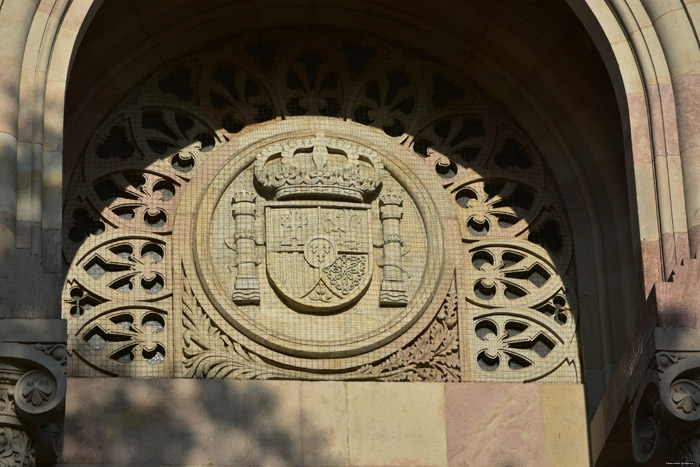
32 390
666 332
665 404
665 410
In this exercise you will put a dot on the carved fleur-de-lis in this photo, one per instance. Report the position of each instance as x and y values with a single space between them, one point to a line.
136 265
504 344
126 336
138 200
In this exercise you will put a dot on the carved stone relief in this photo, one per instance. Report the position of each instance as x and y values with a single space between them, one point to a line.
312 207
665 410
32 395
328 295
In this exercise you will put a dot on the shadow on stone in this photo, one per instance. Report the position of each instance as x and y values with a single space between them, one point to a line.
182 421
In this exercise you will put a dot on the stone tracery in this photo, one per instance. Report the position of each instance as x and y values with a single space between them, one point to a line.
514 309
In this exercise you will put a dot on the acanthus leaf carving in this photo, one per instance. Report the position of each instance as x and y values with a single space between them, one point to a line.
32 396
434 356
690 451
16 448
208 353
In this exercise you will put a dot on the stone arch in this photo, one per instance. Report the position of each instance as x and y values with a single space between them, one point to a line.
650 88
499 80
654 96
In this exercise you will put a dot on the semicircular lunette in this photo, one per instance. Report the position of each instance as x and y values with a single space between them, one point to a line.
476 177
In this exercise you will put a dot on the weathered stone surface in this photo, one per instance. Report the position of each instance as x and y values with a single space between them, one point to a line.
253 423
198 422
494 424
396 424
564 418
325 435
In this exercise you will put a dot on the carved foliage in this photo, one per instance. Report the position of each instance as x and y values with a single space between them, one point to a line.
16 448
690 451
209 353
679 383
665 409
434 356
32 396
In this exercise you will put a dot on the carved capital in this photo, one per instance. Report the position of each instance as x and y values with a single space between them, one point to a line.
32 390
16 447
665 410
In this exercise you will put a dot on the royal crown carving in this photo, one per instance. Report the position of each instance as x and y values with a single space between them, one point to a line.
319 167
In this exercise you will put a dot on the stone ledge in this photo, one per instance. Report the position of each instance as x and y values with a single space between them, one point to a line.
235 422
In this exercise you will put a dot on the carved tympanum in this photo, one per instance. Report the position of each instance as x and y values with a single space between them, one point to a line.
316 207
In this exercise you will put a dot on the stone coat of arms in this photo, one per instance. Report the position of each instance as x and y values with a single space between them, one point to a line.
319 255
318 229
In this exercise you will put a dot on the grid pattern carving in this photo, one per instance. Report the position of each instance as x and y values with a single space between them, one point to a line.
316 207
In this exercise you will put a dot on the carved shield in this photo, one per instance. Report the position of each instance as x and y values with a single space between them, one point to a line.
319 256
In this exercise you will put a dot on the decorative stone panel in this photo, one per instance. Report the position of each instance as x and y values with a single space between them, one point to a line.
665 411
316 207
32 390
